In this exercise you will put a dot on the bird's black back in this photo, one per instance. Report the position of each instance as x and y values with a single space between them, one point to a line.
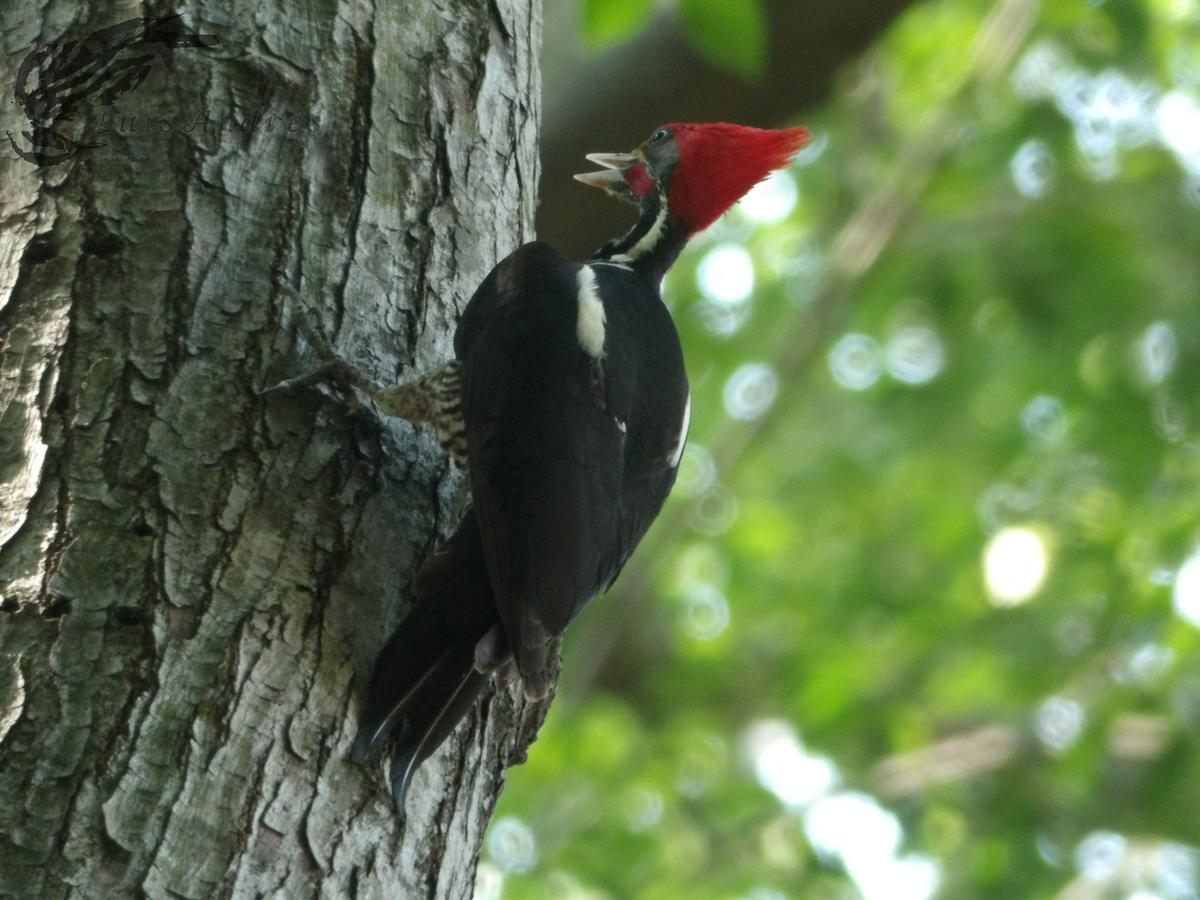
571 457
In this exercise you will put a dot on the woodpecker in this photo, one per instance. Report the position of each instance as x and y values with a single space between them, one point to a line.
567 401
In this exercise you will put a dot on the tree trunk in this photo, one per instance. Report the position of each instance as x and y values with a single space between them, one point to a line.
196 580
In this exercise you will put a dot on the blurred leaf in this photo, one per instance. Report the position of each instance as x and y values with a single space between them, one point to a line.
731 34
608 22
1025 355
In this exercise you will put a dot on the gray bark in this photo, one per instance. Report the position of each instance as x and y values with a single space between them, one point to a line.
196 580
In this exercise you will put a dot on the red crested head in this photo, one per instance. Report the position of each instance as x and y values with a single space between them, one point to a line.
682 179
719 163
707 168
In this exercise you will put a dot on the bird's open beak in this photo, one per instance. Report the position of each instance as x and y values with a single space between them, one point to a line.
613 176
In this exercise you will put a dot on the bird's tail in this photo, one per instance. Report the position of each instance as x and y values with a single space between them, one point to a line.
425 680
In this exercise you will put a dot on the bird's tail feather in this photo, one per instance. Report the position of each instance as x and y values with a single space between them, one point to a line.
425 680
405 761
385 711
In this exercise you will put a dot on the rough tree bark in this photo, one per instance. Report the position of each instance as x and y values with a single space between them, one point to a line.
196 580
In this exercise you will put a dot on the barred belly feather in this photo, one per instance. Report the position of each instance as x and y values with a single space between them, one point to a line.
436 398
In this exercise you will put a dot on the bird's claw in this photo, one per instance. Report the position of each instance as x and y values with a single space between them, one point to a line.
344 376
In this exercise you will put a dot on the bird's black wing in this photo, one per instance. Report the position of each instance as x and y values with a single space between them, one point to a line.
545 441
647 375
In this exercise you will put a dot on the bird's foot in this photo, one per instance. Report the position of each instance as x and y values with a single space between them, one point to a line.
506 674
536 685
491 652
333 369
493 657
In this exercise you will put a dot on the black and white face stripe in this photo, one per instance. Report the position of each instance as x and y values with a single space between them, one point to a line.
643 239
647 242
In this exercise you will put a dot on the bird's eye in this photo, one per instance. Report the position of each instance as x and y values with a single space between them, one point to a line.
658 135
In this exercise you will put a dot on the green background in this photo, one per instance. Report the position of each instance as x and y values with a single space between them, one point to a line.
995 242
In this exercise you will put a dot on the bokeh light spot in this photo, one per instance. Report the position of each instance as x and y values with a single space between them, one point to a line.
855 362
643 808
1014 566
715 511
1156 351
764 893
750 391
1041 71
1185 596
701 760
915 354
1178 122
512 845
1032 168
726 274
852 824
1146 665
1178 871
771 200
489 882
813 150
783 766
1099 855
1108 111
1044 419
703 612
697 471
865 836
1059 723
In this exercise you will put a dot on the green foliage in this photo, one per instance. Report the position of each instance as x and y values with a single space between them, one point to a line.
731 34
608 22
1020 358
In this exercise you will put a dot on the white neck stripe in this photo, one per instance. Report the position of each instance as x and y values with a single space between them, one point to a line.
651 238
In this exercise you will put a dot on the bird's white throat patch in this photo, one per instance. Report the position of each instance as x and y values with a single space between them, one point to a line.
590 320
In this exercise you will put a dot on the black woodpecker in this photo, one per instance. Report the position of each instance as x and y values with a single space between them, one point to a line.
568 402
